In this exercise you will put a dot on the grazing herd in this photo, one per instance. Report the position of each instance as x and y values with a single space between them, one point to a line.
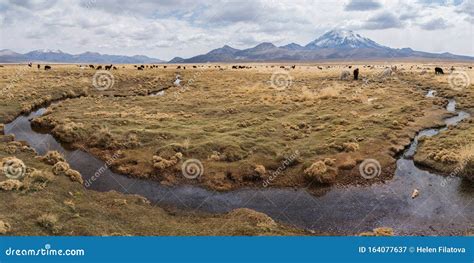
387 72
142 67
344 75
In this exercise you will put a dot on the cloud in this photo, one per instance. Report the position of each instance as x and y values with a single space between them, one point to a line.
142 8
233 12
440 2
362 5
467 8
169 28
383 20
34 4
435 24
410 14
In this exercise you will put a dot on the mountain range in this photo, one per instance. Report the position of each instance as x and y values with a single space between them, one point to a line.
333 45
57 56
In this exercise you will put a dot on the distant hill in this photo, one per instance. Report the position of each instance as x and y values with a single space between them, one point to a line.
333 45
176 60
57 56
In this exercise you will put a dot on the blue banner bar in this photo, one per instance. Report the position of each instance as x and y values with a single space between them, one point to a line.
237 249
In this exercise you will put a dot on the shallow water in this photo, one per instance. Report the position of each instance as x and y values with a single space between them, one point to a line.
431 94
158 93
443 207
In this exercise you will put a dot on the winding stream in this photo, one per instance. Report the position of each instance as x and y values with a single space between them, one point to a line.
443 207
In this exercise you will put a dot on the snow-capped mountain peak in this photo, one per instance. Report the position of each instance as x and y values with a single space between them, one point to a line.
342 39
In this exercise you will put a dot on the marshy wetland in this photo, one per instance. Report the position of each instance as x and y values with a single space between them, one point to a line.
211 150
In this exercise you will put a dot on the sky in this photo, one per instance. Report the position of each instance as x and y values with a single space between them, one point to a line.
168 28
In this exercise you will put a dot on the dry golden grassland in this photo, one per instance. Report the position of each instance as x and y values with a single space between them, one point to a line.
452 152
243 129
239 123
47 202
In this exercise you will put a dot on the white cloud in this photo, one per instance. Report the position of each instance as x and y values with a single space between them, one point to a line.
467 8
435 24
169 28
383 21
363 5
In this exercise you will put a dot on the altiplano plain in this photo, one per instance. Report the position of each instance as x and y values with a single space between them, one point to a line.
265 126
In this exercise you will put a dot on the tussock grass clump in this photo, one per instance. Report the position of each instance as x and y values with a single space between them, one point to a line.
444 156
49 222
215 156
260 170
52 157
316 168
11 149
378 232
329 161
74 175
46 122
319 172
350 146
11 185
62 168
37 180
161 163
69 132
4 227
40 176
230 154
14 147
